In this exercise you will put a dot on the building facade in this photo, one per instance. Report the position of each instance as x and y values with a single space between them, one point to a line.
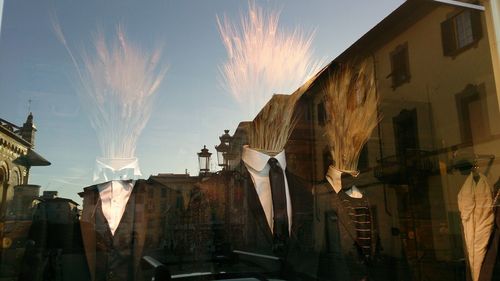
434 70
15 142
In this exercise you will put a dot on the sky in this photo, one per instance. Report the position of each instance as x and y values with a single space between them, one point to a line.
191 108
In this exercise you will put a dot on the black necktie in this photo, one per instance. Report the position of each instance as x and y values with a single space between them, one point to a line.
280 219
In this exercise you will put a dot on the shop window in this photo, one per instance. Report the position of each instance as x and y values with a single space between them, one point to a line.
460 32
472 114
400 66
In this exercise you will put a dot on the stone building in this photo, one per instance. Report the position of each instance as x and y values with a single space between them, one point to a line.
16 158
18 199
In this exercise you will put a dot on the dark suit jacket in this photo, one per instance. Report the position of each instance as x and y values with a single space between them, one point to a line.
255 235
336 239
91 199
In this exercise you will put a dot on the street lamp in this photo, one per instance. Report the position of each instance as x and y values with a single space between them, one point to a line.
223 149
204 160
225 138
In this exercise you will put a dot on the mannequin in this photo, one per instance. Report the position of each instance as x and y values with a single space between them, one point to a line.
116 178
114 221
480 220
277 208
344 227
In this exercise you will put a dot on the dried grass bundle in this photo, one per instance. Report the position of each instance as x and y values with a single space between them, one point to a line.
272 127
118 82
351 104
263 57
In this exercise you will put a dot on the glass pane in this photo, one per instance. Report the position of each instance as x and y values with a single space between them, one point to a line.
353 148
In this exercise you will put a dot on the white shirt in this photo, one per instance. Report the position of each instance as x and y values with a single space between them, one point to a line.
334 177
256 163
114 197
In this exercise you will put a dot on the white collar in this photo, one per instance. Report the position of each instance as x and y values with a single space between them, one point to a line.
354 192
125 184
258 160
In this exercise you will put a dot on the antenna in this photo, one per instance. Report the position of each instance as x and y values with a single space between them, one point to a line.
29 106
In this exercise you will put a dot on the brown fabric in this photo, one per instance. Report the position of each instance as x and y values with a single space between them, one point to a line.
343 257
114 255
358 210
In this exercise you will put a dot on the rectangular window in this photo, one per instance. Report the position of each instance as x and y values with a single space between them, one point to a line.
460 32
400 66
464 29
472 114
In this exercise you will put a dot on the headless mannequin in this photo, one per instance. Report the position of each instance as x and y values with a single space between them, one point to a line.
255 161
114 196
116 176
334 177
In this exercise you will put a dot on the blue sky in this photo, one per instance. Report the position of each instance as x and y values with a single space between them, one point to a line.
191 108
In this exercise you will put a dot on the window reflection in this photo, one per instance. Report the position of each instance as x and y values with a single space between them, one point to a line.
351 171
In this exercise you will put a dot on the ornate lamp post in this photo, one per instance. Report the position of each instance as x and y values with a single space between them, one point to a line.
204 160
223 149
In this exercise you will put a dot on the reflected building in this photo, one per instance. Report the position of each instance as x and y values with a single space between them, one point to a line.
15 142
58 210
439 100
438 85
61 216
18 198
166 204
188 215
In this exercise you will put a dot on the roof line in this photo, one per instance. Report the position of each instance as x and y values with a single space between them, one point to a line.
461 4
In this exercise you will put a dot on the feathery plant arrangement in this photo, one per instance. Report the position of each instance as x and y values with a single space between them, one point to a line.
118 83
263 57
351 104
272 127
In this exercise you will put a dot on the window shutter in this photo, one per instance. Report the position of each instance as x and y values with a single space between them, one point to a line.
448 37
477 30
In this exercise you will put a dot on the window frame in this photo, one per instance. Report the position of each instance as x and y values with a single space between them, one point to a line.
400 66
449 38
